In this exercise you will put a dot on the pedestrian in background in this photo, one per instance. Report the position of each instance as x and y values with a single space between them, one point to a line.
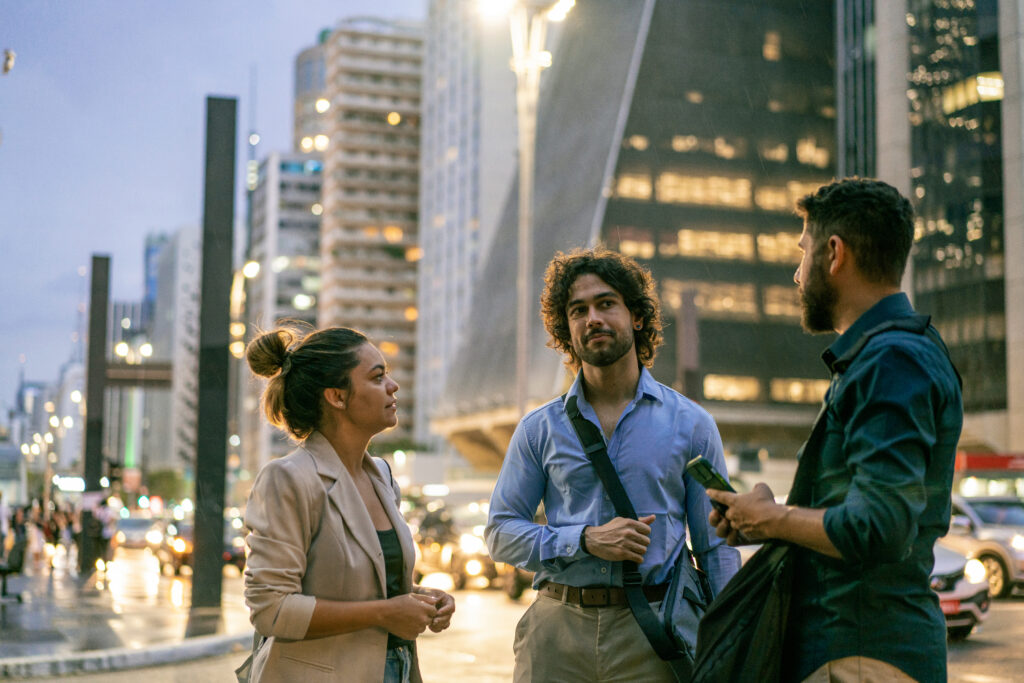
5 525
328 578
601 310
862 608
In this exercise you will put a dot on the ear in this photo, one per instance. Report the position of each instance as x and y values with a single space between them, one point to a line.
638 322
837 253
335 397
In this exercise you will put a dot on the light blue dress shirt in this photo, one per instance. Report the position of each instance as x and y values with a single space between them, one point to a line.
657 434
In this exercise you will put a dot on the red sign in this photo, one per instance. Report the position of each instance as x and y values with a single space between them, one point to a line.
1002 462
950 606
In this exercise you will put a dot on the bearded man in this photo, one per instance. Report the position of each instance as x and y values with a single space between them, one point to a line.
600 309
862 608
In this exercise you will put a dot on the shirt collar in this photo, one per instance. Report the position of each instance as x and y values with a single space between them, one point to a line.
888 308
647 387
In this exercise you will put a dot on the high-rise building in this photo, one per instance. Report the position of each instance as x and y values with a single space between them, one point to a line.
282 278
309 129
369 244
680 134
467 161
964 102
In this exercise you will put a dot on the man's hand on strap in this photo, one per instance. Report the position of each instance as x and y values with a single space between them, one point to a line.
620 539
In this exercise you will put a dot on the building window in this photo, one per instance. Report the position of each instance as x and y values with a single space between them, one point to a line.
787 390
783 198
639 142
633 186
716 245
782 302
676 188
810 153
731 388
773 151
779 247
635 242
713 299
772 48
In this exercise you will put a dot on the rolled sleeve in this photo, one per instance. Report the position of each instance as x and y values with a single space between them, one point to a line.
888 440
280 521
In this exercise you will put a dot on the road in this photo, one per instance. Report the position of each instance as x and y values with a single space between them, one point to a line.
478 646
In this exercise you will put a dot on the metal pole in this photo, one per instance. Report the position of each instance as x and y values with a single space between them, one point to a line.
528 35
95 385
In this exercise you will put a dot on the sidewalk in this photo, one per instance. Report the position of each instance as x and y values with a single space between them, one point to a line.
126 617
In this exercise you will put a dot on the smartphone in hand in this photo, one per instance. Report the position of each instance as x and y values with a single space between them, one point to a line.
708 477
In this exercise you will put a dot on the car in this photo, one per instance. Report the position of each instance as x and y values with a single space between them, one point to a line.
991 529
451 540
135 532
962 587
175 551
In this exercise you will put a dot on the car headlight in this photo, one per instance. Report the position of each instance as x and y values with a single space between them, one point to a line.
153 537
120 537
1017 542
974 572
470 544
179 545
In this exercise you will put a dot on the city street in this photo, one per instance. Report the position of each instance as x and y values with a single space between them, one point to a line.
478 646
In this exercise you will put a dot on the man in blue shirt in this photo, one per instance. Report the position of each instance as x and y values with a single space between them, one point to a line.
600 309
862 608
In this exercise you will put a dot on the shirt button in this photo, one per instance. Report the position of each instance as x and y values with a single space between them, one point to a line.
604 570
568 548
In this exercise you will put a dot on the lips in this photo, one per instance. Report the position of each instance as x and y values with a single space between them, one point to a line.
598 335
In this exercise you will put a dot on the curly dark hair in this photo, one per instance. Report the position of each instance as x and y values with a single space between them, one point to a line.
874 220
627 277
301 363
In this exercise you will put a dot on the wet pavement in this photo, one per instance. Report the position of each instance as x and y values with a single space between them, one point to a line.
128 612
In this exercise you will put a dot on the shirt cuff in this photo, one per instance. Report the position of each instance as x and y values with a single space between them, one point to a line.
569 542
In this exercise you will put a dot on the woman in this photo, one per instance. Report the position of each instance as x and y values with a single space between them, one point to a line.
328 577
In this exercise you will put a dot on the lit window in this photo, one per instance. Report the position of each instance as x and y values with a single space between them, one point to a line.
731 388
782 301
716 245
237 349
773 152
393 233
413 254
713 299
411 313
772 48
371 231
317 209
808 152
306 144
779 247
676 188
303 302
322 105
782 199
694 96
639 142
685 143
394 118
633 186
785 390
320 142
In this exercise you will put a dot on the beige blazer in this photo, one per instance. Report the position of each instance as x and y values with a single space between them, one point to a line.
310 536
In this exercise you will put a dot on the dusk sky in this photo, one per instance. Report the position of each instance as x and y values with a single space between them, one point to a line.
102 123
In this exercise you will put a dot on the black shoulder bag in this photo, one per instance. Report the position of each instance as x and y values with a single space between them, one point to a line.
742 636
688 584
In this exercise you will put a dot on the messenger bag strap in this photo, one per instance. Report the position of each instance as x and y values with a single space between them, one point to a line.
632 582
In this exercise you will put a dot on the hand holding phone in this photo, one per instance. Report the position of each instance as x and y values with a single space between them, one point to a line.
708 477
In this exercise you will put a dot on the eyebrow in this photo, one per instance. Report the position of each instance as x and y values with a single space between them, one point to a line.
600 295
378 366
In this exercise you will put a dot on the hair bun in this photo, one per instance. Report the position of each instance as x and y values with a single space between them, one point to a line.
268 353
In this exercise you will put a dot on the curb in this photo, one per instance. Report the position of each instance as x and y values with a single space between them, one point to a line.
116 659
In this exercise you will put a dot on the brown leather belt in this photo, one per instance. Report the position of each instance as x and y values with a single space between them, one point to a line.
597 596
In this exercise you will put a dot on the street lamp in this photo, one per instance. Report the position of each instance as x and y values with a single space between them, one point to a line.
528 23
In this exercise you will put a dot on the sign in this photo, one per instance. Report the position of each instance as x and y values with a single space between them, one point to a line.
991 462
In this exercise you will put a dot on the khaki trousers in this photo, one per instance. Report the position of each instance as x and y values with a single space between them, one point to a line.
563 643
858 670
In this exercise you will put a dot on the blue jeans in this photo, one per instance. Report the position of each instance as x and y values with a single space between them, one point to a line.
398 665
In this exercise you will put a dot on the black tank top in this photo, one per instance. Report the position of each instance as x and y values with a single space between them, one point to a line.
393 570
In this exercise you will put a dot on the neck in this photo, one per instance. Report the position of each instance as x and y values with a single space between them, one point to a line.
612 383
348 443
857 301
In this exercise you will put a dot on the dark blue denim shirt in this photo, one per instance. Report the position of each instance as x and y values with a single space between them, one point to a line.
893 418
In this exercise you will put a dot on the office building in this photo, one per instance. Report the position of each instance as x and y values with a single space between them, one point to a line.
680 134
369 244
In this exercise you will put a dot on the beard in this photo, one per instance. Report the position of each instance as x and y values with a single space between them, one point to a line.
817 301
611 352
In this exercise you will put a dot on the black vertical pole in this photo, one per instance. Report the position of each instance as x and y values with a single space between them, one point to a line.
214 338
95 384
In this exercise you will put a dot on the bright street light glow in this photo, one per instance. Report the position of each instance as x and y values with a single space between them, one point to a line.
251 269
69 422
493 10
54 421
306 144
254 139
322 105
320 142
76 396
121 349
25 449
317 209
302 302
234 440
394 118
146 350
48 437
560 10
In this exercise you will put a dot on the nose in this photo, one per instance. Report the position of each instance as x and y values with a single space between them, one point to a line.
393 386
593 317
796 275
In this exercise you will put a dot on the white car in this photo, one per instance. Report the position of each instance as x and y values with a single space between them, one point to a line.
962 586
991 529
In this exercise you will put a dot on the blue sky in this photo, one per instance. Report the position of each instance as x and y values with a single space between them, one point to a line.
102 122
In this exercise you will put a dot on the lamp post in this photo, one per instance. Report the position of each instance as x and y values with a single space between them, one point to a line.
528 23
